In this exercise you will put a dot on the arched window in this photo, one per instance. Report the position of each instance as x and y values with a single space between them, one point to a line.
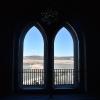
32 67
65 57
35 59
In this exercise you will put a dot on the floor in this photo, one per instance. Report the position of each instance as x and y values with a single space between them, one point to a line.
53 97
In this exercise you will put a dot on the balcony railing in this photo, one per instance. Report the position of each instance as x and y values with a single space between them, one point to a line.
35 77
63 76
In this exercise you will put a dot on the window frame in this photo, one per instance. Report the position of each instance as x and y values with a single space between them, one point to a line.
20 55
74 36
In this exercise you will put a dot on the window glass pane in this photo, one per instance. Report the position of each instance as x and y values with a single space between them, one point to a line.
63 58
33 58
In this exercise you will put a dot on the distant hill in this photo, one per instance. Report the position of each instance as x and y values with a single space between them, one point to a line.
41 57
64 58
33 57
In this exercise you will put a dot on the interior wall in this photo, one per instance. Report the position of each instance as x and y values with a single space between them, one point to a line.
81 18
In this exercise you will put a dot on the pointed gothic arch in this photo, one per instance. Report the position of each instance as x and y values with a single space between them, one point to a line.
68 35
30 62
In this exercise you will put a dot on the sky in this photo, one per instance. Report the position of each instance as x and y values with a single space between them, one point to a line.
63 44
33 43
